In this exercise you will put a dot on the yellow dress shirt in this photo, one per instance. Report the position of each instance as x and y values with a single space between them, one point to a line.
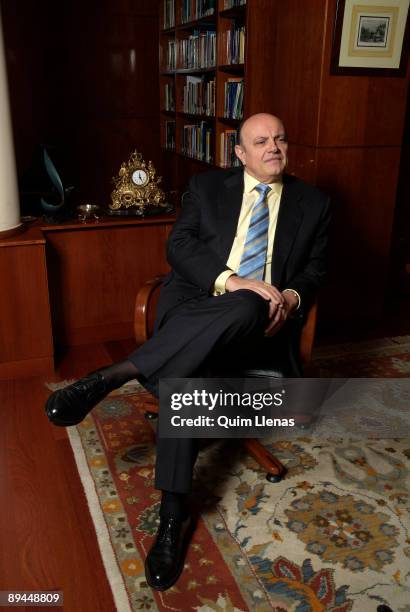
250 195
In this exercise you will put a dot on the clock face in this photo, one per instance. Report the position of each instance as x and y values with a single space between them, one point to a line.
139 177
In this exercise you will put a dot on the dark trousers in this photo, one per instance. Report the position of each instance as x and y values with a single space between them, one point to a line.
201 330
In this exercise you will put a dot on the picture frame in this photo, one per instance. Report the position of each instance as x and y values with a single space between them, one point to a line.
370 38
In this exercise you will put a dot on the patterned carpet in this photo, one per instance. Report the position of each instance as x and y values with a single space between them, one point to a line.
332 536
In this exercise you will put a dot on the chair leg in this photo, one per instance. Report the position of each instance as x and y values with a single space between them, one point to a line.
275 469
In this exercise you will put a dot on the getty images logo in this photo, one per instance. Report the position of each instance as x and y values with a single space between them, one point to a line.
209 400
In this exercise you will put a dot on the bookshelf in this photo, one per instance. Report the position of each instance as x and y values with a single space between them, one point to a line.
214 56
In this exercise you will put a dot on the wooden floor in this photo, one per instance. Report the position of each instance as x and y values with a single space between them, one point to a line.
47 536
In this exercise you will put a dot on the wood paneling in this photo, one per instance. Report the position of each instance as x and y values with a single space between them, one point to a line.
95 273
81 82
34 43
359 110
318 108
111 105
258 89
302 161
360 135
362 111
400 261
26 345
283 69
362 183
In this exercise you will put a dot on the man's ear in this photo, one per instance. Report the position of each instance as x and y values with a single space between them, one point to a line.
240 153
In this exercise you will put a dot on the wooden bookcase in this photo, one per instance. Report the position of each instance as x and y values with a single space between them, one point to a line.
257 17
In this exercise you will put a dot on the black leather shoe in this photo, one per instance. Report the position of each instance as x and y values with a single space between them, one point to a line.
165 560
69 406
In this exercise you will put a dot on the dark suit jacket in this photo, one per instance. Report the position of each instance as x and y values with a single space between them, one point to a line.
201 239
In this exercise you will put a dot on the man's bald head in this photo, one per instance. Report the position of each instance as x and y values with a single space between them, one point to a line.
263 147
248 123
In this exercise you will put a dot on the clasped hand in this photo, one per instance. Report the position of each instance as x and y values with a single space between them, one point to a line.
281 305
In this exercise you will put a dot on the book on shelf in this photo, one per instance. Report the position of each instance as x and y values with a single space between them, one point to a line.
170 135
199 96
169 14
171 55
198 50
233 43
197 141
231 3
196 9
169 97
228 159
233 98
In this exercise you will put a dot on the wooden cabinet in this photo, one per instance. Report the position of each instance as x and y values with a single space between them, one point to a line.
71 284
95 272
26 343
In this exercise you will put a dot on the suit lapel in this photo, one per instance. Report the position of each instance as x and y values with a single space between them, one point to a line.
289 219
229 207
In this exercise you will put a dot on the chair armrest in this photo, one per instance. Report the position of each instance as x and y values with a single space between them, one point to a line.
143 308
145 305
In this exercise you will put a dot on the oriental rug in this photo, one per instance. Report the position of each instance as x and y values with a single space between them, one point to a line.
332 536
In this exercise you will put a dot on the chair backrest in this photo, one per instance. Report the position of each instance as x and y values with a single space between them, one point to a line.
146 305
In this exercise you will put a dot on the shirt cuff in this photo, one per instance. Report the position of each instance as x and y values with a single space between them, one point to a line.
297 295
219 285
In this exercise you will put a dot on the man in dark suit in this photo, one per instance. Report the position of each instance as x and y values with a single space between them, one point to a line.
247 255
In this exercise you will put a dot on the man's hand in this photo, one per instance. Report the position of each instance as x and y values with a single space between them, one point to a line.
268 292
282 314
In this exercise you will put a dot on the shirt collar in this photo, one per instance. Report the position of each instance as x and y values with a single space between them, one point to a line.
250 183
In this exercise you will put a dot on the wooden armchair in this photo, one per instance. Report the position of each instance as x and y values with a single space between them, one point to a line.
144 317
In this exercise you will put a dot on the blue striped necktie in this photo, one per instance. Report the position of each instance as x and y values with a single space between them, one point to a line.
253 258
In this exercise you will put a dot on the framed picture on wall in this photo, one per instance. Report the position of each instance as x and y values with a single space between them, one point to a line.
370 37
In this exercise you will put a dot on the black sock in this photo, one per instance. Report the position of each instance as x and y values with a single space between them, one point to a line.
119 373
173 505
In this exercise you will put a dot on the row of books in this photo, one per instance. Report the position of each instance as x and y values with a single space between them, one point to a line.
170 135
228 158
199 96
169 97
195 9
198 51
233 98
231 3
196 141
169 14
233 43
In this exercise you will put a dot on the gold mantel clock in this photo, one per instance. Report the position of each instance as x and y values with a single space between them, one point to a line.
137 188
